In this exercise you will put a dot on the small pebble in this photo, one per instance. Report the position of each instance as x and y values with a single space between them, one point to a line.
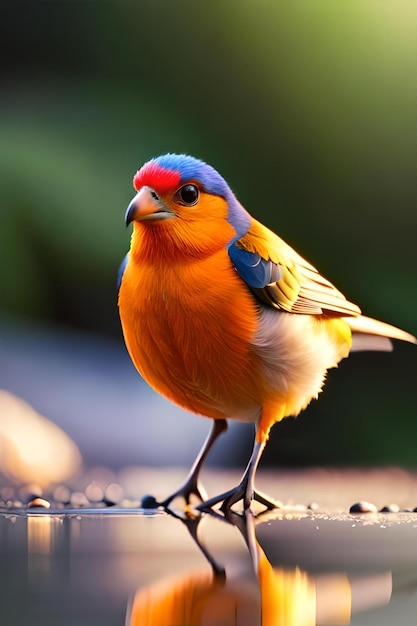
7 493
113 494
78 499
149 502
94 492
390 508
62 494
363 507
39 502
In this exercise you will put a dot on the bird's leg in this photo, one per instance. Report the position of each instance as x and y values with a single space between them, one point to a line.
191 484
245 490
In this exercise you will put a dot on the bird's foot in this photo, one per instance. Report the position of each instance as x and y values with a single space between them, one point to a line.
241 492
187 490
269 503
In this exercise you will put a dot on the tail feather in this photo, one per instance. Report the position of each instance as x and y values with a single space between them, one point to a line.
370 334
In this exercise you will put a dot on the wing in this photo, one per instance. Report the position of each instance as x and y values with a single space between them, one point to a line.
121 271
280 277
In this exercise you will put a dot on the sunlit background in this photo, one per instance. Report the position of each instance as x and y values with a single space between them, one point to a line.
309 111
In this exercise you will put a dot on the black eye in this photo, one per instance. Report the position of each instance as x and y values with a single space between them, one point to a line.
188 195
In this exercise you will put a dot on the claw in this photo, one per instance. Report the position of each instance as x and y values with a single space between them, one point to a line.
231 497
245 490
188 489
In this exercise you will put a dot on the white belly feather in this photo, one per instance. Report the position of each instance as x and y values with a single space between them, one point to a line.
296 351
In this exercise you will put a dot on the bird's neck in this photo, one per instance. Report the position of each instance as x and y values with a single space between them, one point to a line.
162 243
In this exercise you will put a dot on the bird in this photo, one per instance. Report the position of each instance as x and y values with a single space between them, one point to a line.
224 318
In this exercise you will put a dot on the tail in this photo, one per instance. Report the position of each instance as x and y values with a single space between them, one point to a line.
370 334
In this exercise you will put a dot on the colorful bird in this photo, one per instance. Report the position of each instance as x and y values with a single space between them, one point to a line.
224 318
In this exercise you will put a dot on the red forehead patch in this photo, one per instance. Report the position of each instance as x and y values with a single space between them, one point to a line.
159 178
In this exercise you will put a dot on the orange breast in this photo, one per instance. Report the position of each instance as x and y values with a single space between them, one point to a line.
187 327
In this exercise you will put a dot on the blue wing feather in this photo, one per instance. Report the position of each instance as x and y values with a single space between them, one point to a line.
281 278
256 271
122 270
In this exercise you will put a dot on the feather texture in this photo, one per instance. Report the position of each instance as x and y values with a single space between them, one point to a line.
296 287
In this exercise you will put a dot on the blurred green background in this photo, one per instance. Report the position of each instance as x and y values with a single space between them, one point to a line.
308 109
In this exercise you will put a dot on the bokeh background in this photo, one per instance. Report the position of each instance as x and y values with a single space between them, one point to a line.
307 108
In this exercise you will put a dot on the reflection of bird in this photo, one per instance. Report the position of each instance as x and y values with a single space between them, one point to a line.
224 318
282 597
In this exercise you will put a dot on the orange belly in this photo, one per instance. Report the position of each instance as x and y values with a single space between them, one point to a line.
189 334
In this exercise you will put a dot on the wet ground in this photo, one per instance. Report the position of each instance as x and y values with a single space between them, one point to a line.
110 563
